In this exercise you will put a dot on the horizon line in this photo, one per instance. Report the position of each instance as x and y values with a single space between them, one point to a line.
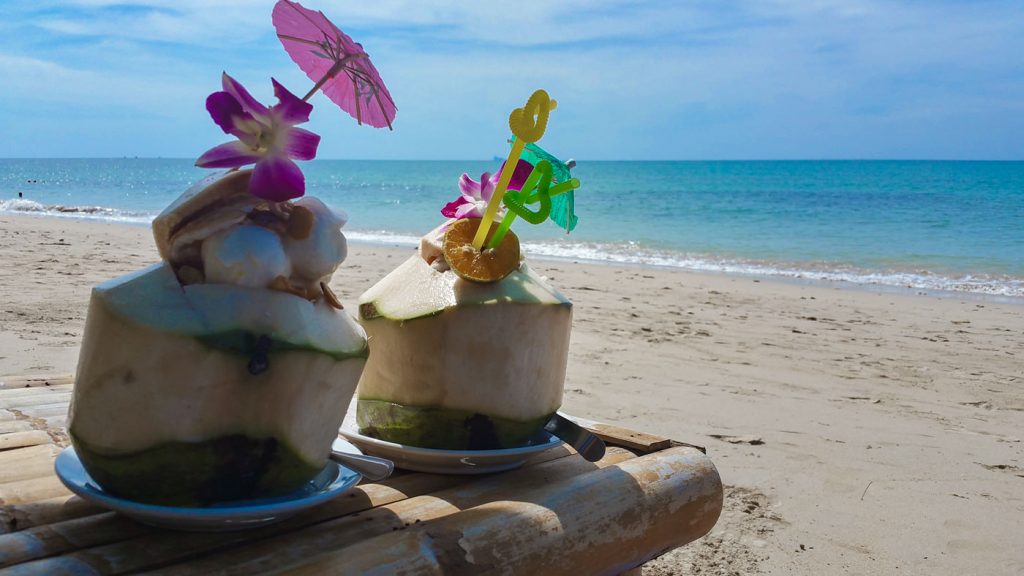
495 159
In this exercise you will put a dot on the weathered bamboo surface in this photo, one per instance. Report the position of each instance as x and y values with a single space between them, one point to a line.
557 515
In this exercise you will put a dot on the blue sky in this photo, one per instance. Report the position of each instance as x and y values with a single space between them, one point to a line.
634 80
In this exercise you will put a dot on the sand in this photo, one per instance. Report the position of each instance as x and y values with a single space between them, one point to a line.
858 432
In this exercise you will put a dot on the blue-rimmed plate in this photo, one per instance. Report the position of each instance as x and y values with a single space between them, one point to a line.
447 461
332 481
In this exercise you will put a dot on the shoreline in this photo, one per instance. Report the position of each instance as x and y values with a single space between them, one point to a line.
856 432
794 279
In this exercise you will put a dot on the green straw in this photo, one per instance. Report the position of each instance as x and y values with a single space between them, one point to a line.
537 184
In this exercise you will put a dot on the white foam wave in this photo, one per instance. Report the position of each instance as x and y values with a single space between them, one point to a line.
628 253
631 253
25 206
382 237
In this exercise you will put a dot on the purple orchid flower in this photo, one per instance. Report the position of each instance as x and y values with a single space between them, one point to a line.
475 195
266 136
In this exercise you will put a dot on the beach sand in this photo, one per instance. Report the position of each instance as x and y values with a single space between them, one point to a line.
857 432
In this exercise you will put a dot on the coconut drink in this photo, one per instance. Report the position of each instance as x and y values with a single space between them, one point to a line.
469 344
224 371
492 373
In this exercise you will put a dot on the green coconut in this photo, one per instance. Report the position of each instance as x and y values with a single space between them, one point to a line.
194 394
458 364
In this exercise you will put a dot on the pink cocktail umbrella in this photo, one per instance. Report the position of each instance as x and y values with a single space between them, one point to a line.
339 66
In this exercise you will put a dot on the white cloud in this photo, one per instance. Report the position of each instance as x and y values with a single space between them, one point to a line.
527 23
675 79
190 23
32 82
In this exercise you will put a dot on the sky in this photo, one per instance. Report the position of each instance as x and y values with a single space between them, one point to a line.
635 80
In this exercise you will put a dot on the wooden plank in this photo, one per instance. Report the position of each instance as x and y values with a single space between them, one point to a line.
634 439
42 512
13 382
603 522
618 436
22 439
295 547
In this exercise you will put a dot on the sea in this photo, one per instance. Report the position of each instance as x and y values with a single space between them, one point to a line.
919 225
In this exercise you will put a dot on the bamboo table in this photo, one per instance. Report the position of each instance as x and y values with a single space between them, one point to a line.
557 515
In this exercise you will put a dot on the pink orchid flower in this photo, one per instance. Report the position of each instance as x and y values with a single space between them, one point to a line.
474 198
475 195
266 136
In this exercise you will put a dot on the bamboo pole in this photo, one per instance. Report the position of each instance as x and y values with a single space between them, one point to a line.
15 382
295 547
23 439
42 512
31 490
134 548
26 403
22 403
8 425
35 391
46 411
29 468
12 459
83 532
141 551
604 522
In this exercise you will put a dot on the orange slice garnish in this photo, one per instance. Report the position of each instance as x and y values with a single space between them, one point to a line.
479 265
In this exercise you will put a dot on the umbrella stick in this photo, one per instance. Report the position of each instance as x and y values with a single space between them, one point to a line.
297 39
499 192
355 94
327 76
376 95
331 73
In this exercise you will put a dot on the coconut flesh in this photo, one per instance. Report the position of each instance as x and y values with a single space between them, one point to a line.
459 364
217 374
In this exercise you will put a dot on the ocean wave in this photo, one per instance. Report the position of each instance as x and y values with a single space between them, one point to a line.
382 237
630 253
24 206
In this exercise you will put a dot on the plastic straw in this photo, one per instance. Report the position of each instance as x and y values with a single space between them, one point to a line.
528 124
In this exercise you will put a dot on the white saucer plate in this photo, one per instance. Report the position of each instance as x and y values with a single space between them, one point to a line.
331 482
448 461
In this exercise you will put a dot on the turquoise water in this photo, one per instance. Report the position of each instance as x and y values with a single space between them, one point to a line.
934 225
